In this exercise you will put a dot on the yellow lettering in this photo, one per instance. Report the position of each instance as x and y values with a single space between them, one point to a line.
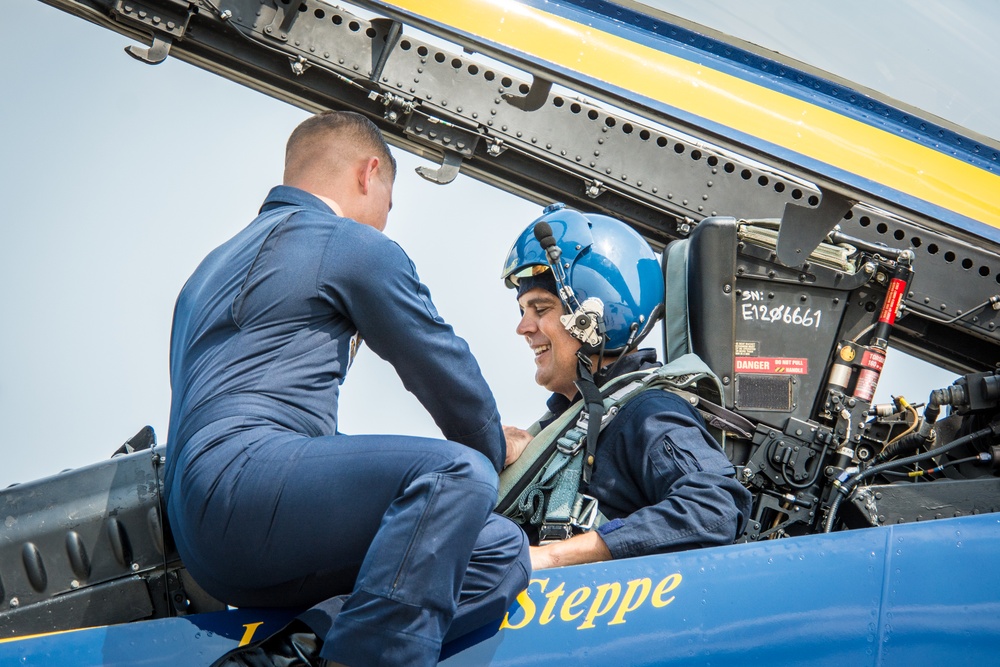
579 604
643 586
251 628
664 587
577 597
529 612
596 609
526 604
550 605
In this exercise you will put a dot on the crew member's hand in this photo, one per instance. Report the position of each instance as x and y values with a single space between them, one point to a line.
517 440
585 548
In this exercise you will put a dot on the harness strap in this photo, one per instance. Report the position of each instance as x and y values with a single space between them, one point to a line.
514 478
720 417
558 457
555 479
558 523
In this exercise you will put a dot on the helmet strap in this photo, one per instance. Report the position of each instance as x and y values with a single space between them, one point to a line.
594 406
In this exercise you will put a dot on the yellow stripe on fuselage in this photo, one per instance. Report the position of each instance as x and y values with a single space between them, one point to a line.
4 640
794 124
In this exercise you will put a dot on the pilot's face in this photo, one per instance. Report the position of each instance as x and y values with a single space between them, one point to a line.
554 348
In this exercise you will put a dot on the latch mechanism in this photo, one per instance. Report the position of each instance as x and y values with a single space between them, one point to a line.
457 142
166 26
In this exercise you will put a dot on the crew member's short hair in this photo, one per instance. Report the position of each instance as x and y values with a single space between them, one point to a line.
352 127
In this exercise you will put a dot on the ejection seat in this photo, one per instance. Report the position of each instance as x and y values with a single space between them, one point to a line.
698 273
689 268
765 329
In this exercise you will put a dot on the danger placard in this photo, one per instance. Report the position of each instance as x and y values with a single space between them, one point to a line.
776 365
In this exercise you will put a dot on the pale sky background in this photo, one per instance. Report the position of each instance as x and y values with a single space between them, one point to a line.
118 177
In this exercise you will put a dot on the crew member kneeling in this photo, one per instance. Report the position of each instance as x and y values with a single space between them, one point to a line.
269 504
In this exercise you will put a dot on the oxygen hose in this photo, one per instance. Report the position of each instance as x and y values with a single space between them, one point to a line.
846 483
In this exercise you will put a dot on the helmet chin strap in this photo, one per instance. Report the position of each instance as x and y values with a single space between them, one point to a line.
588 387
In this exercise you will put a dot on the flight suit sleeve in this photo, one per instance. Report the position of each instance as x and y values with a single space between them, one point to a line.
370 279
693 497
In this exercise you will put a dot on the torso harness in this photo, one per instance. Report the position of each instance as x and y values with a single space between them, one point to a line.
542 488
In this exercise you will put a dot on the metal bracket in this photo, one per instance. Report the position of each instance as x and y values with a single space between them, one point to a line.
538 93
802 228
593 188
284 16
166 27
496 147
395 106
458 143
299 65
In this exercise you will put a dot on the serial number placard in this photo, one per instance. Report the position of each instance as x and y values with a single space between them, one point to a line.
795 316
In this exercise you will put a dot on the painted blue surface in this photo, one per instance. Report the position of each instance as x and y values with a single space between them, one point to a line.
191 641
914 594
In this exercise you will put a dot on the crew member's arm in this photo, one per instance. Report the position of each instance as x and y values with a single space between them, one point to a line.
585 548
375 284
661 441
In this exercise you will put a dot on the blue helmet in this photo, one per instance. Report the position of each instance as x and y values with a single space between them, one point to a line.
601 258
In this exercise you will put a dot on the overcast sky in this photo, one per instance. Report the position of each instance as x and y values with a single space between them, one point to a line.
118 178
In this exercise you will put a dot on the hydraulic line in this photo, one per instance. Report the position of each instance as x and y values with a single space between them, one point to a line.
846 483
985 457
916 420
913 439
993 301
906 443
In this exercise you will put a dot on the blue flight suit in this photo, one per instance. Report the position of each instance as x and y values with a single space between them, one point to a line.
659 476
270 505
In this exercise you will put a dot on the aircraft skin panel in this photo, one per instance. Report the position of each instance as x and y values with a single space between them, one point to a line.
193 641
857 598
753 110
917 593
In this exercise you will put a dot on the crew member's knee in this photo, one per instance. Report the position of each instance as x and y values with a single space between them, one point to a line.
468 464
520 570
509 552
